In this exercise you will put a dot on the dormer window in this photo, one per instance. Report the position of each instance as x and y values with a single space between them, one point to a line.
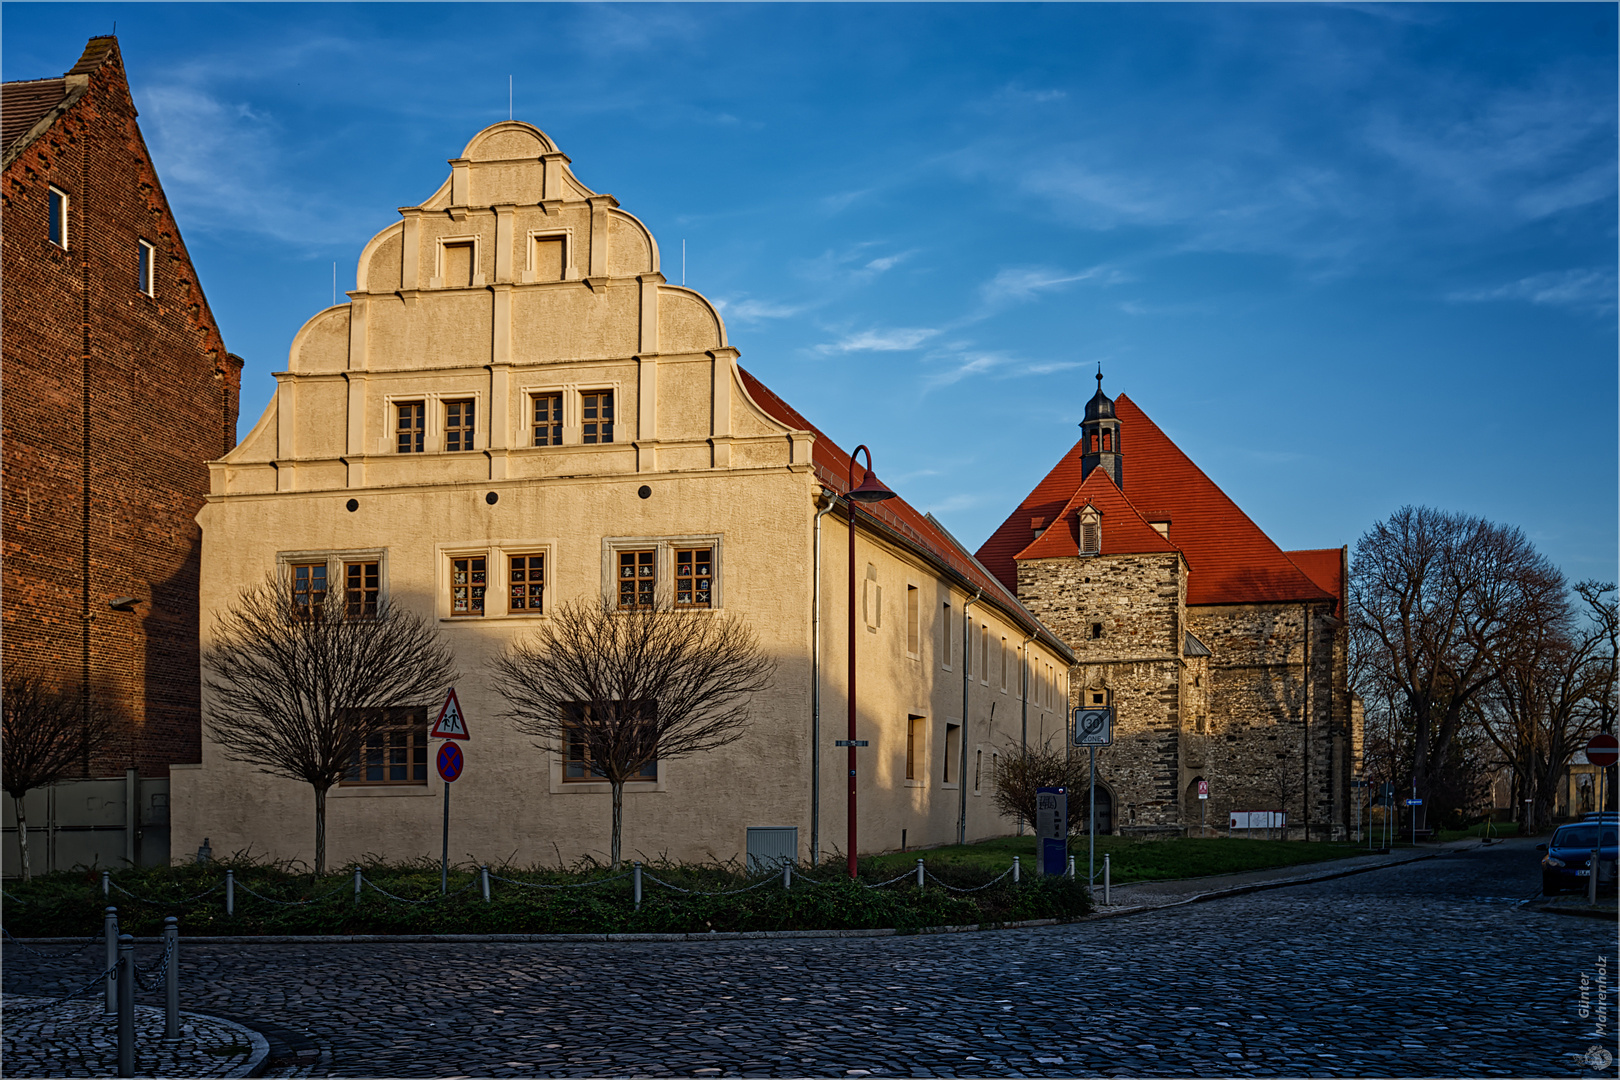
1037 525
1090 531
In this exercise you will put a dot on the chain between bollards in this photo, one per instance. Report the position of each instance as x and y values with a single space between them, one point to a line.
109 927
171 982
126 1005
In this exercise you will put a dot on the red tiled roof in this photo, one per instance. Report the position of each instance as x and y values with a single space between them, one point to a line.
24 104
832 467
1232 561
1124 530
1325 566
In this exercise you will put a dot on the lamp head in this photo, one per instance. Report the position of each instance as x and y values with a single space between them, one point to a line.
123 603
870 490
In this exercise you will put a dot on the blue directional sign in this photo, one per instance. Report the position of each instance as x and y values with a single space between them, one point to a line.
1414 802
450 761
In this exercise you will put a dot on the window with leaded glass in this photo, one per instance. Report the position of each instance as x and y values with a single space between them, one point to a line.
694 577
458 425
548 420
394 753
578 765
527 583
596 414
638 580
309 587
468 577
410 426
360 585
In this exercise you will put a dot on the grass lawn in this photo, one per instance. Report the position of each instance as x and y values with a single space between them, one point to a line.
1132 859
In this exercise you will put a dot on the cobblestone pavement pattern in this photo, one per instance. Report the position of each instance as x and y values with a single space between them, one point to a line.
1429 969
78 1039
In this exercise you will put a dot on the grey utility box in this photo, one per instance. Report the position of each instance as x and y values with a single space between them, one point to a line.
769 846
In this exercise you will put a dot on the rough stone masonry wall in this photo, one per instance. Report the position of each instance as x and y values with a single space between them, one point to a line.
1136 600
1255 757
160 392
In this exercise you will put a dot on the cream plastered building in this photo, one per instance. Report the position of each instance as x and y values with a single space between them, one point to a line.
515 398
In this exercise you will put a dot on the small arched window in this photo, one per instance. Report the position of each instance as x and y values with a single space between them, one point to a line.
1093 442
1107 442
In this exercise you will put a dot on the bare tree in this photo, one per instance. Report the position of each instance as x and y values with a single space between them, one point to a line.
1604 611
1019 773
46 734
1437 599
297 685
613 691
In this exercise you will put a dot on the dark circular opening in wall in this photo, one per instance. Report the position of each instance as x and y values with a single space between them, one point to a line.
353 505
644 491
492 498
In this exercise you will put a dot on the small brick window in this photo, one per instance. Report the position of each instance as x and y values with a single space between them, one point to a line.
410 424
1096 630
694 577
548 420
596 413
638 581
309 587
458 425
360 589
468 578
144 258
527 584
56 228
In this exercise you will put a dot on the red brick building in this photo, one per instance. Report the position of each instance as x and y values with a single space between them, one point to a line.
1223 656
117 389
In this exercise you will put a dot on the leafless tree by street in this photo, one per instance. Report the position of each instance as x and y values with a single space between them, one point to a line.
1437 600
297 686
1019 774
614 692
46 734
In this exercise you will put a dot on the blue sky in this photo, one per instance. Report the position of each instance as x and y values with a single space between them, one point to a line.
1348 257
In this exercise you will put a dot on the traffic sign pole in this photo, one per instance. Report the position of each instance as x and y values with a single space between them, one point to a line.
444 852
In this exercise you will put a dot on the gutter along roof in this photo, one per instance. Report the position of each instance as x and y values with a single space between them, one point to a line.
1230 560
899 522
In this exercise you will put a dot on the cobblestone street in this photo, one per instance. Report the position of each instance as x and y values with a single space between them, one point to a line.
1425 970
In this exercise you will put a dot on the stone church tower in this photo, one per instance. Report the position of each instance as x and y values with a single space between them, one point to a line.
1224 657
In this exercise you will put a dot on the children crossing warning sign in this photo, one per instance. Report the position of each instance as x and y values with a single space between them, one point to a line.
452 724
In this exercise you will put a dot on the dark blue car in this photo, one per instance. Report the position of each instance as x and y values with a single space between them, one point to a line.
1565 866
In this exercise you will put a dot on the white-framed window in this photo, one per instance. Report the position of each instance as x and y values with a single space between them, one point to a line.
145 269
945 635
682 572
951 774
916 751
457 263
1006 662
1090 531
56 208
435 423
550 256
502 580
355 579
984 653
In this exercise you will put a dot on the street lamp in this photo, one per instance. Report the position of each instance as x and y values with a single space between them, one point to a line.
870 491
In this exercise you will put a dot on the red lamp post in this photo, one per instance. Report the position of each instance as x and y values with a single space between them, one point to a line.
870 491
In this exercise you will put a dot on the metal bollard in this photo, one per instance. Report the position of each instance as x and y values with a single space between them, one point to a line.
919 874
1108 879
483 873
106 884
1070 874
126 1005
230 892
357 886
1592 876
638 885
171 982
787 876
109 927
1015 869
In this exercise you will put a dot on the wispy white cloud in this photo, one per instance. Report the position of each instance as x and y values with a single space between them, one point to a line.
1017 284
750 310
856 264
1591 290
899 339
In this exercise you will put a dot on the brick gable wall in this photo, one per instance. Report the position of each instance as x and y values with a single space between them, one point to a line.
113 402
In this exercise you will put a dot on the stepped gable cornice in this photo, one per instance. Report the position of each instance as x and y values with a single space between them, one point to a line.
902 522
1233 560
1124 530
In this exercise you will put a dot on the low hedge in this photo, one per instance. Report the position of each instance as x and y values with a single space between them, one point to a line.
71 904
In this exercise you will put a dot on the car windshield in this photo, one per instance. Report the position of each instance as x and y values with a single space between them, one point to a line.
1583 836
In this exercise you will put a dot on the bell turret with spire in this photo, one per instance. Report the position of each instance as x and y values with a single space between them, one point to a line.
1099 436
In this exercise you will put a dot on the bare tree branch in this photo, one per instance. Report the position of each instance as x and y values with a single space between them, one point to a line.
628 688
298 689
45 736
